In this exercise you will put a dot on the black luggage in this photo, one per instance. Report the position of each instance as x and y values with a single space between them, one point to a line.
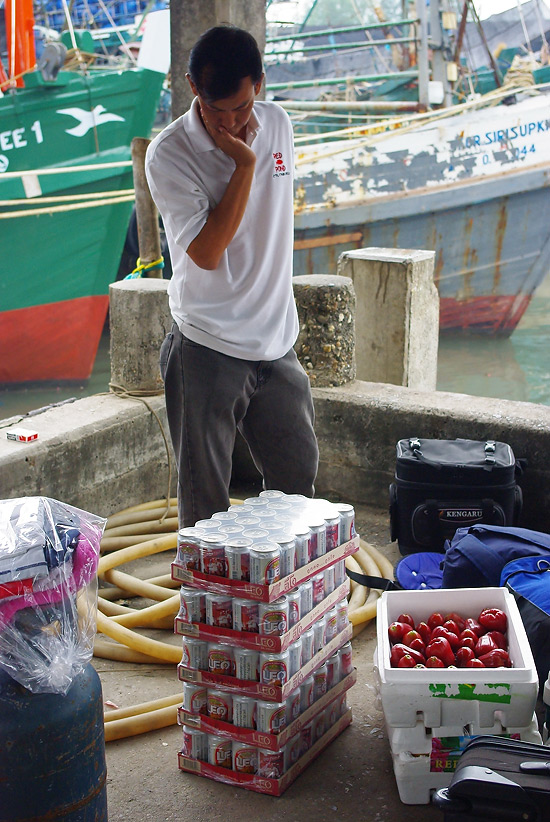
442 485
498 779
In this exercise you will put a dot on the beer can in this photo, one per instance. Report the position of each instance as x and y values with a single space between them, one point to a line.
287 554
302 536
247 664
219 705
225 516
293 751
328 575
279 505
340 575
306 738
331 626
194 698
192 605
244 711
342 615
271 764
320 682
333 670
318 537
212 555
274 668
220 659
271 493
256 535
245 615
306 596
332 713
293 706
256 502
318 588
264 563
219 610
208 525
270 717
195 743
295 657
306 693
188 548
342 703
220 751
347 521
332 530
319 633
231 531
346 664
247 521
273 617
308 645
237 560
294 607
195 654
317 727
245 757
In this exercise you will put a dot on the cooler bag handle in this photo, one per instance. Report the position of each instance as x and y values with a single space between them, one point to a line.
416 449
380 583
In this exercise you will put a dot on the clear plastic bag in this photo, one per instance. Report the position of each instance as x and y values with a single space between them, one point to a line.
49 552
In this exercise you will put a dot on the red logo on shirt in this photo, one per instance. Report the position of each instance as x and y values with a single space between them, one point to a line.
280 167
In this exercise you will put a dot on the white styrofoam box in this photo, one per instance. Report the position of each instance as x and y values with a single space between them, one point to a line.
455 696
422 740
418 774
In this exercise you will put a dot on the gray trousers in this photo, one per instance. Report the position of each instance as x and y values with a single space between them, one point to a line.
209 397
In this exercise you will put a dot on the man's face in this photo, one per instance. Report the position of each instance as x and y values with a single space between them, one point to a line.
230 113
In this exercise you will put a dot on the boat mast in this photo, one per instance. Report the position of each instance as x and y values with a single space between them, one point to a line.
20 37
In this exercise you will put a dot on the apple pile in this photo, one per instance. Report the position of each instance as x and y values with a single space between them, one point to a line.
450 641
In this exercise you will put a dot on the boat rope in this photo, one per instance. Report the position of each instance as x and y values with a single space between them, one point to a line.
65 198
12 80
6 175
34 212
142 267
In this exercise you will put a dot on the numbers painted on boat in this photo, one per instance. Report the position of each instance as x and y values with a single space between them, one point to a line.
17 137
521 152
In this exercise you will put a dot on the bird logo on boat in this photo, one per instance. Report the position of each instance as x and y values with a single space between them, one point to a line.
88 119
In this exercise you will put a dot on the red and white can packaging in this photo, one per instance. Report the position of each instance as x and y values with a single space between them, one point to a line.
306 596
273 617
245 757
341 615
328 578
245 615
192 605
265 559
188 553
302 537
237 558
274 668
195 743
319 633
220 751
346 663
331 625
332 525
308 645
294 657
293 750
287 554
342 704
306 693
195 654
247 664
221 659
194 698
318 539
270 716
320 682
212 555
244 711
306 738
219 610
293 708
347 521
332 713
219 705
271 764
294 607
317 727
333 670
318 588
340 575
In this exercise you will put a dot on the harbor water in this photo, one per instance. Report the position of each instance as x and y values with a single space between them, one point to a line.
515 368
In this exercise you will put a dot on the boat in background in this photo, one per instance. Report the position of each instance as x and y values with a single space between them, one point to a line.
66 187
426 161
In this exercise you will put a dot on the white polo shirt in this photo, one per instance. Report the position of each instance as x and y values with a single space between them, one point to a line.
245 307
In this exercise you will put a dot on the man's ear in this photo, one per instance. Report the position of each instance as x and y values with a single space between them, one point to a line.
258 85
193 86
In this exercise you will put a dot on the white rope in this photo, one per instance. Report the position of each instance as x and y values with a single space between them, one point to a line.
33 212
6 175
66 198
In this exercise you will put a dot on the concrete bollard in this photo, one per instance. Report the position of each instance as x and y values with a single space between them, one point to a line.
139 320
326 343
397 315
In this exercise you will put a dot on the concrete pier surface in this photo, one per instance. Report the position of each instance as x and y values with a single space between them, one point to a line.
351 781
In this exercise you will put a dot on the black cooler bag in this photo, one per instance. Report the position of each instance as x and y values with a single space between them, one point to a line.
442 485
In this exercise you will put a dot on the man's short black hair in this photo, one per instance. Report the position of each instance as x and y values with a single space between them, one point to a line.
221 58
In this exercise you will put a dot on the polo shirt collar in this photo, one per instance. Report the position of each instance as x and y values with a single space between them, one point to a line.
200 138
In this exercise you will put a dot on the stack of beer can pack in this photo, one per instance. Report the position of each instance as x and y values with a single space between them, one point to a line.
266 661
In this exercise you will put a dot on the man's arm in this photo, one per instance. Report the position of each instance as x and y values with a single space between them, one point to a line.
207 248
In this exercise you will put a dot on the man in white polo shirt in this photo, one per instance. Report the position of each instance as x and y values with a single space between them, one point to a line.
222 178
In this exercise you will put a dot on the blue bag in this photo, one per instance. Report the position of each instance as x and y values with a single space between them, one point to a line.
528 579
475 556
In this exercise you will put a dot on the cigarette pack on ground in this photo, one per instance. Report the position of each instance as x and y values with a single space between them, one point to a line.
22 434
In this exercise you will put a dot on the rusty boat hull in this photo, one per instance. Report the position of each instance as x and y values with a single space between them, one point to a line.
473 187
